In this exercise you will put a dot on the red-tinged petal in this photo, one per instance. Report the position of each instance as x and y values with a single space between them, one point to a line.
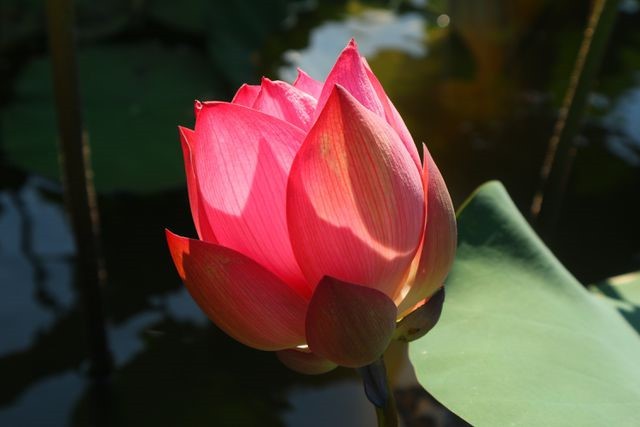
308 84
355 203
305 362
349 72
246 95
392 116
350 325
187 138
440 238
281 100
241 297
242 159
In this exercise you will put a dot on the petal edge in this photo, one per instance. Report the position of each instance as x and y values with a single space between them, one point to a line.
200 220
439 241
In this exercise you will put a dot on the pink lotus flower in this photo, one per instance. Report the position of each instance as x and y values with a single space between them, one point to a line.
319 226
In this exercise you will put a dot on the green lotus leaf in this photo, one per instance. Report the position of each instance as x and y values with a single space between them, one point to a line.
520 341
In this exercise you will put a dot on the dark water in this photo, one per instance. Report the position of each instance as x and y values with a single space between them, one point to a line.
479 82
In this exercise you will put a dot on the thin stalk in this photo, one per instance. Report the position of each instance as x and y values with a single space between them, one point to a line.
77 180
557 164
379 392
388 415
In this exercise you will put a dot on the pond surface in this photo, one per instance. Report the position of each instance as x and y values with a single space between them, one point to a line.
480 84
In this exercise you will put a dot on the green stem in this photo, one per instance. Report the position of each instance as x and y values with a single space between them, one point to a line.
556 167
379 393
77 180
388 416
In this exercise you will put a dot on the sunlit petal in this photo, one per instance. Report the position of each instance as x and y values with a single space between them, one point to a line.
281 100
355 202
242 159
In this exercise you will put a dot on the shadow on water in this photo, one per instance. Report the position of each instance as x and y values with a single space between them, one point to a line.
481 85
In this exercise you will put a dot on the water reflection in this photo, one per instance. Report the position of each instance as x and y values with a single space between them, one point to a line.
173 367
374 29
35 265
350 406
623 123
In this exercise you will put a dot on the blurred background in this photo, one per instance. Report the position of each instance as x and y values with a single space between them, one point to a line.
480 82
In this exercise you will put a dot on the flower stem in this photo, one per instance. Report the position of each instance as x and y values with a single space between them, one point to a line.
378 391
77 178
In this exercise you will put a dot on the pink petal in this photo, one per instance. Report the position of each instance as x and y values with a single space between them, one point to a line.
242 298
187 138
281 100
434 261
392 116
355 203
350 73
246 95
348 324
305 362
308 84
242 159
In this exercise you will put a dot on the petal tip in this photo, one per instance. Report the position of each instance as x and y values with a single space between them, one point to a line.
178 245
171 236
197 107
342 95
185 135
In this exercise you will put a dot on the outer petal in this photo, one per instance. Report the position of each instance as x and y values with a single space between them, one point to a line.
281 100
305 362
187 138
348 324
392 116
307 84
440 238
349 72
242 159
246 95
242 298
355 203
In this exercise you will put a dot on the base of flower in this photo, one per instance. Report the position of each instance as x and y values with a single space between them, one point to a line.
379 393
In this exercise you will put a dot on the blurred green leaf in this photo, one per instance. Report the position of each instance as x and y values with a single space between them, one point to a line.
134 97
520 341
623 293
237 31
23 19
19 19
191 16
